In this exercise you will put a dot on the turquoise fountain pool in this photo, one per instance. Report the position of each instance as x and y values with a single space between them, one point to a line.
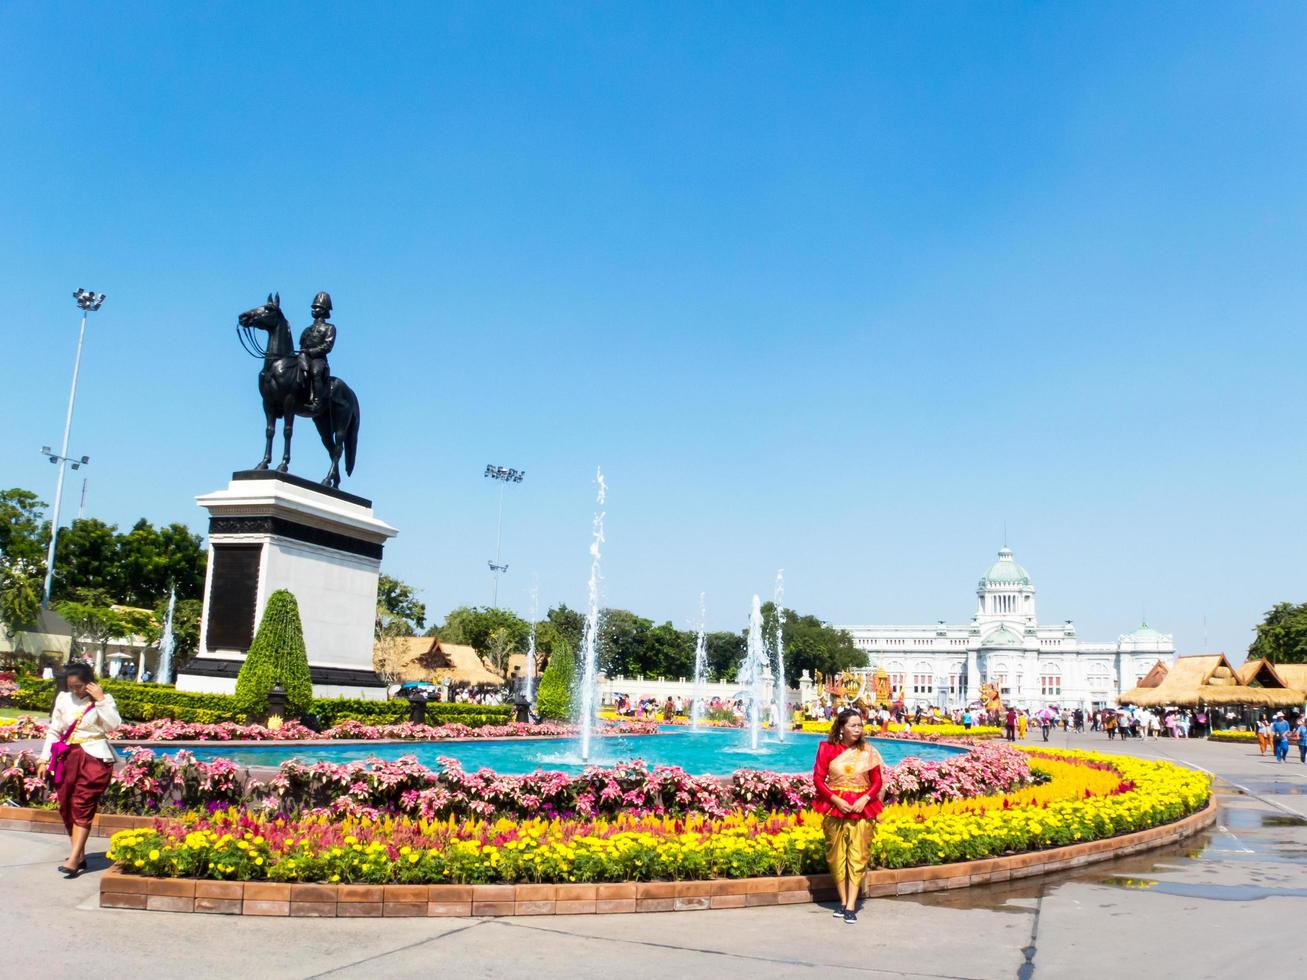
713 752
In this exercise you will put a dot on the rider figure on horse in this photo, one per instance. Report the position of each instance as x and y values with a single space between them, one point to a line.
315 344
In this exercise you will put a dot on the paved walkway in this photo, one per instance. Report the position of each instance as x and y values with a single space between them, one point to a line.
1227 902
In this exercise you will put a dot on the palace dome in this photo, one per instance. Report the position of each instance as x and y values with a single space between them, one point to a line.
1145 632
1001 637
1005 571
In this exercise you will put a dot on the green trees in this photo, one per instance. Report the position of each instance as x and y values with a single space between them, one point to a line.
277 656
811 645
22 558
1282 635
554 695
473 626
633 646
136 568
397 601
152 560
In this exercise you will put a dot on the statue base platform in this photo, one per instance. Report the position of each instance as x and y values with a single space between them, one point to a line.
270 531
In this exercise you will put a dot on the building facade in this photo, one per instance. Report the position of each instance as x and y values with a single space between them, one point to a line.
1032 665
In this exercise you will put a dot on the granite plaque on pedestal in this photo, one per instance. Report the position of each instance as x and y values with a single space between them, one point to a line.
270 531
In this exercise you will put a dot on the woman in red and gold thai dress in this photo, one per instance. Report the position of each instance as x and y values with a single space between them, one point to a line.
850 781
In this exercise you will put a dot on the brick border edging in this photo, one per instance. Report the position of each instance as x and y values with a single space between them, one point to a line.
376 901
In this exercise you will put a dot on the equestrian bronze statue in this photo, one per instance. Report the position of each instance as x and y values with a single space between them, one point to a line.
298 382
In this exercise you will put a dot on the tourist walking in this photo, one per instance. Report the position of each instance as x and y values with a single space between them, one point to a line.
1301 732
1010 724
1280 733
1263 735
849 778
79 756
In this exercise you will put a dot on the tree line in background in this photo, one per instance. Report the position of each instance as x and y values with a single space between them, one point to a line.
628 644
107 583
1282 635
110 583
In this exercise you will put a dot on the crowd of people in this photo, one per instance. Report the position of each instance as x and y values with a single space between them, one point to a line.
1279 732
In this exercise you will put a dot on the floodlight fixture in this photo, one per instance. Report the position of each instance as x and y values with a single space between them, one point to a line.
504 475
89 302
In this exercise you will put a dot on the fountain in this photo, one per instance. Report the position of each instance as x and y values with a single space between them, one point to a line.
751 673
779 687
590 635
700 668
529 671
167 643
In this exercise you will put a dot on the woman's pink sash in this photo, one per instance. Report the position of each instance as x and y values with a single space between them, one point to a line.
60 748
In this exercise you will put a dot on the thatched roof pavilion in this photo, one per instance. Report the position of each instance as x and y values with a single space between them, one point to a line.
1209 679
1294 677
426 658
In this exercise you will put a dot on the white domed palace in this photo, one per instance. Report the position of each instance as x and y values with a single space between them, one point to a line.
1032 665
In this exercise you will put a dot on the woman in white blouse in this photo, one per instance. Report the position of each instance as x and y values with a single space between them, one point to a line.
83 717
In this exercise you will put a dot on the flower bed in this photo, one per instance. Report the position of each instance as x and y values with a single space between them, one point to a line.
927 730
1089 797
1243 738
149 784
16 729
169 730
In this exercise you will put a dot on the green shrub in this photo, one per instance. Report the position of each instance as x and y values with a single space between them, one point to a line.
554 696
146 702
332 711
36 697
277 656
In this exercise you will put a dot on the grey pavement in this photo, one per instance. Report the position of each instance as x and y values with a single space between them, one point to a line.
1226 902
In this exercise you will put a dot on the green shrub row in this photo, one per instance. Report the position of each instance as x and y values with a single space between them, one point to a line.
146 702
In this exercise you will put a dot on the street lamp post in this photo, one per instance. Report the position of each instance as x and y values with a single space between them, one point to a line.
505 475
89 303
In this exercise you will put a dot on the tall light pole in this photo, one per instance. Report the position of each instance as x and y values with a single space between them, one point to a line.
89 303
505 475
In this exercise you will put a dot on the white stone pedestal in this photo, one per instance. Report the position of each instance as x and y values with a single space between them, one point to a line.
270 531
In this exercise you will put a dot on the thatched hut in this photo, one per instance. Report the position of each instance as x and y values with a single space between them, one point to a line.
426 658
1208 679
1294 677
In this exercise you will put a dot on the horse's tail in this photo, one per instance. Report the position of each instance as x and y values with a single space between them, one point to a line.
352 436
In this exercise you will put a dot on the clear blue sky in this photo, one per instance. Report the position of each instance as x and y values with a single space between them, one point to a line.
839 289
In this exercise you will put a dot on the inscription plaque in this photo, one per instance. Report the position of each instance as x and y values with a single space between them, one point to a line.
232 596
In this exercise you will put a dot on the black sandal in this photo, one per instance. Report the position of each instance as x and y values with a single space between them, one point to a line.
72 872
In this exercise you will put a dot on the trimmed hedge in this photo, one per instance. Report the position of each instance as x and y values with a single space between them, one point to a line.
554 695
146 702
277 656
331 711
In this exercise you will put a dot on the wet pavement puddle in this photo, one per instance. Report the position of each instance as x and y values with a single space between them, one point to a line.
1220 893
1260 839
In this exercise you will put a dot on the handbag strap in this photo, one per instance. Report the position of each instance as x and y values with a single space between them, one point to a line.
73 727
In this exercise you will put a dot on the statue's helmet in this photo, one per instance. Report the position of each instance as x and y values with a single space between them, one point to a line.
323 300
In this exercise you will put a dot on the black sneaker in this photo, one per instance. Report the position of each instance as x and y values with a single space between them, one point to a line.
850 917
839 912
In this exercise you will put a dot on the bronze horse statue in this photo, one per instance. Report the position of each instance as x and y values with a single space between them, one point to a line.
286 393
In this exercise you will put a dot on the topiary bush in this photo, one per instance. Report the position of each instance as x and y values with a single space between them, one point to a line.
277 656
554 695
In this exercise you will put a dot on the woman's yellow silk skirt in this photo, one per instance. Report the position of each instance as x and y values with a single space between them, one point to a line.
848 846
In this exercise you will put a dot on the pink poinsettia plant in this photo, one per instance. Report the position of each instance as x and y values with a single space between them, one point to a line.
23 727
149 783
166 730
